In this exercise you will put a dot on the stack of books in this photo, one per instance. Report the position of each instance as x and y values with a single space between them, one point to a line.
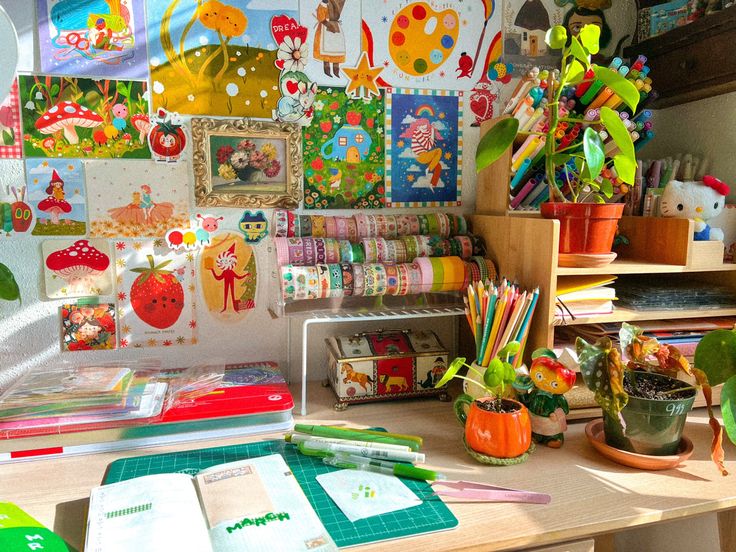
585 296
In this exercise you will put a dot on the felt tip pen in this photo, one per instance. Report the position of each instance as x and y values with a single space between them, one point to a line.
360 435
352 462
395 455
297 438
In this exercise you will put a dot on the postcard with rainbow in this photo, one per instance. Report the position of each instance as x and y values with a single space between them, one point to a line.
423 148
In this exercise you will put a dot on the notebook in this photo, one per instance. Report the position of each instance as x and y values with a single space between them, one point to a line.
253 505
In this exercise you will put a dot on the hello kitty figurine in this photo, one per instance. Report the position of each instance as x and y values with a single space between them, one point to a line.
700 201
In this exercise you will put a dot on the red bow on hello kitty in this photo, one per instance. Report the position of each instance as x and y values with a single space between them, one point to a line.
720 187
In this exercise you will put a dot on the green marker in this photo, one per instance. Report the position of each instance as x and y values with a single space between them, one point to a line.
352 462
360 435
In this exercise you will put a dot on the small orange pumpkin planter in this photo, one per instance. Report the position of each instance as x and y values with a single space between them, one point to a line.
495 434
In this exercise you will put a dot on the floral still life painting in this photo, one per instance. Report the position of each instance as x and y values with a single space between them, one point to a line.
344 153
155 294
80 268
76 117
246 163
56 192
136 198
214 58
88 327
97 38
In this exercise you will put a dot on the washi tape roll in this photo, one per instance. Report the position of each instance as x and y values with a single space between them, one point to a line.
392 279
375 279
433 224
391 228
403 225
474 271
444 225
372 226
346 252
336 285
358 280
423 224
381 226
309 253
411 247
403 275
361 224
295 251
352 230
358 253
318 226
462 226
370 248
427 274
341 228
414 226
466 246
280 223
400 253
438 273
305 225
424 247
320 251
453 222
332 250
282 251
330 227
290 224
297 222
347 278
323 271
288 286
481 264
454 273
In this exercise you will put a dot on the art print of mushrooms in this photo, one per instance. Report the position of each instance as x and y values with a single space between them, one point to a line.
142 124
79 265
67 116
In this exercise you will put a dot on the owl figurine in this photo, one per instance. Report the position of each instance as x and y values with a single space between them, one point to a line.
700 201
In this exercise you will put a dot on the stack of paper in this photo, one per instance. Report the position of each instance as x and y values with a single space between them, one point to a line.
585 296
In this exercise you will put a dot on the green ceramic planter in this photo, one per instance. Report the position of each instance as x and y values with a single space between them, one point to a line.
652 427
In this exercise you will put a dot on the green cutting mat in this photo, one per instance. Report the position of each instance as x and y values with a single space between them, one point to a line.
431 515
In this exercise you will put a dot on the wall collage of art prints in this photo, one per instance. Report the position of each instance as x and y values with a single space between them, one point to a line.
147 118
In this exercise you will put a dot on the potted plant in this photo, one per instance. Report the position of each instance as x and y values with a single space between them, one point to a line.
587 223
644 401
497 429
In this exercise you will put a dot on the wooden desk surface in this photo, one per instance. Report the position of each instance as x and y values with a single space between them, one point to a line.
590 495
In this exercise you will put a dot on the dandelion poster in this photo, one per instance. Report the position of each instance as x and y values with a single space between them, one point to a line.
95 38
155 294
215 57
11 135
424 146
432 43
343 152
77 117
56 192
136 198
88 327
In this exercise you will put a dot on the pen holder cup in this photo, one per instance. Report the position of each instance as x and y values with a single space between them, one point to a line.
506 433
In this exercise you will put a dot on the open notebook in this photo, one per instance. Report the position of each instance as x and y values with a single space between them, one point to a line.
249 505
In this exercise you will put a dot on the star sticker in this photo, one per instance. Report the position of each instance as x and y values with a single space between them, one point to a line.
362 79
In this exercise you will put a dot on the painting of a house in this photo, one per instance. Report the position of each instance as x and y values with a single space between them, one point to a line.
350 143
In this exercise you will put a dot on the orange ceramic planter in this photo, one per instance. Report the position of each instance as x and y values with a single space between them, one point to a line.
501 435
585 228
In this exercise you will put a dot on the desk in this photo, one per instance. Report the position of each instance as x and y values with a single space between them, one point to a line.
591 497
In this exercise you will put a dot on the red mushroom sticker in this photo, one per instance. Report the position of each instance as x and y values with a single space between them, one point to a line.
76 270
67 116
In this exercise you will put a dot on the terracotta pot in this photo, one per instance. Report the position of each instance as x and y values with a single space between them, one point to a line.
587 228
501 435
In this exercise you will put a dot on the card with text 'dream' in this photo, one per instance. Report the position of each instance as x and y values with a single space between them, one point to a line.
19 532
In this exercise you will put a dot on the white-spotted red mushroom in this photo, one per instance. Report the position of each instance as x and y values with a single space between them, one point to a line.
67 116
54 207
79 265
142 124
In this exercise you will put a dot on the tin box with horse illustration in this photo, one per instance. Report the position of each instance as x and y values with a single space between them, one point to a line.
385 365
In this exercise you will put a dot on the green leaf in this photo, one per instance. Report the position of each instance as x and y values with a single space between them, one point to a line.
625 89
560 159
589 37
728 407
616 130
598 199
9 290
54 90
122 89
8 138
511 348
575 72
625 168
493 375
594 154
716 356
607 188
544 352
495 142
577 50
556 37
451 371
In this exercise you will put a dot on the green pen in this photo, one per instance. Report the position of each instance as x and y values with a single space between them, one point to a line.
359 435
352 462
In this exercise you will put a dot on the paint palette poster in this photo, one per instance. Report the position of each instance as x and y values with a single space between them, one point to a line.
343 152
335 38
215 58
76 117
424 146
228 277
77 268
16 214
56 192
524 27
136 198
11 134
88 327
430 44
93 38
155 294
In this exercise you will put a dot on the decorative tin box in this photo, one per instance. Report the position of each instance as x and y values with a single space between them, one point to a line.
385 365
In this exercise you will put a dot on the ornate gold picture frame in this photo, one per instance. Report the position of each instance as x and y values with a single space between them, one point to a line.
246 163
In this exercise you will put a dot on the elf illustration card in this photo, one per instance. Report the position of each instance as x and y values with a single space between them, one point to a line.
88 327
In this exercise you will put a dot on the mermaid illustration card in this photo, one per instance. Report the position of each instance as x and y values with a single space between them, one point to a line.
155 294
88 327
136 198
93 38
56 192
424 143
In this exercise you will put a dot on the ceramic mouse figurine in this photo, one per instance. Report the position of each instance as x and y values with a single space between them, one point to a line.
700 201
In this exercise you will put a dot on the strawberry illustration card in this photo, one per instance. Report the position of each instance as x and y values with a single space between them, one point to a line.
155 294
77 268
88 327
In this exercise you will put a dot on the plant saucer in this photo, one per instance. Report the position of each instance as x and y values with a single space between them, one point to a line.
494 461
585 260
594 433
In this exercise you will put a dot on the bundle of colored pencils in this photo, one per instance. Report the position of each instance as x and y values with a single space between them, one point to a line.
498 315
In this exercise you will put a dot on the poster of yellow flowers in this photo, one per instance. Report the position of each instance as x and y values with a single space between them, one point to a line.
213 57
